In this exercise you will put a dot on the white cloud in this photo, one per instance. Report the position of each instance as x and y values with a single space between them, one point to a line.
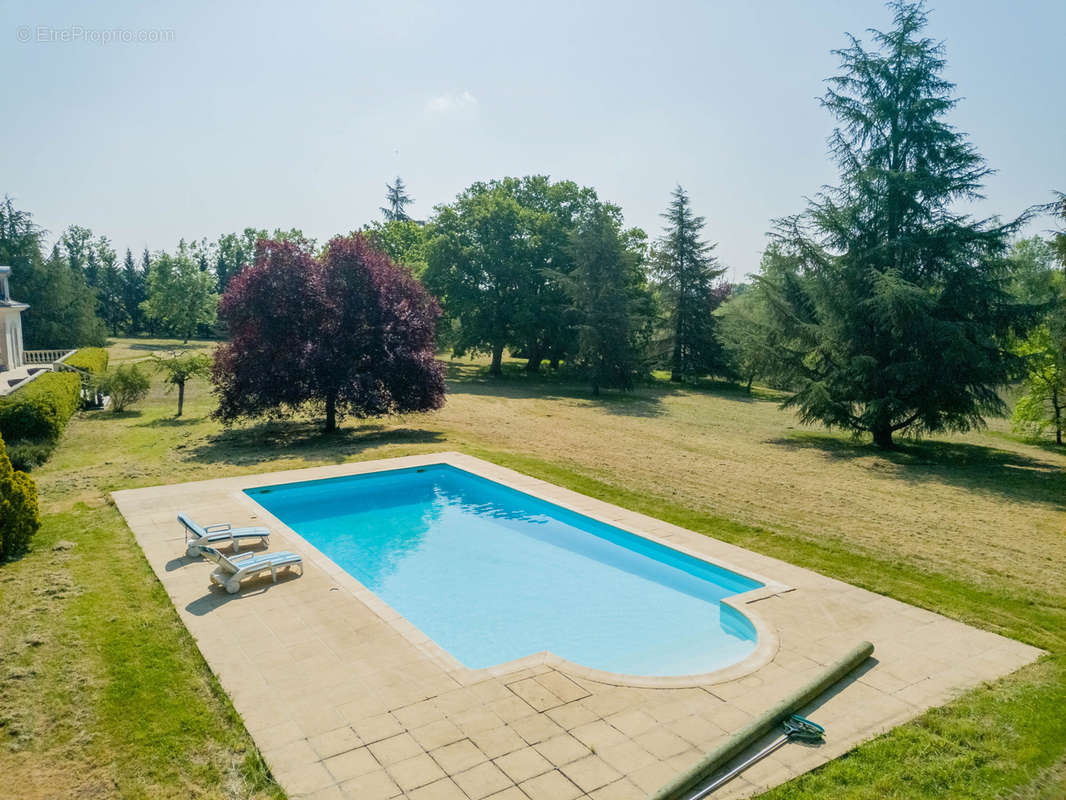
451 101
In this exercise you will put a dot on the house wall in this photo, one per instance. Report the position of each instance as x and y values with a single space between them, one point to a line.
11 338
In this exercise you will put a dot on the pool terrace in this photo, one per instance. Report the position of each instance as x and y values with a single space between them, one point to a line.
345 698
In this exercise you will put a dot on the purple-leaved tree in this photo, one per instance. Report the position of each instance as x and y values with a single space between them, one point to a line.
350 333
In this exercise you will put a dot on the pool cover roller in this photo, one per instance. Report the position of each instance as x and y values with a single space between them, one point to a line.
688 782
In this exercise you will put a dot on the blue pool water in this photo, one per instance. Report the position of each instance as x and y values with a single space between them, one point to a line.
493 574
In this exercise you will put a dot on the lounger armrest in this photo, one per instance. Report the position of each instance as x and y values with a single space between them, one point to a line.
241 557
217 527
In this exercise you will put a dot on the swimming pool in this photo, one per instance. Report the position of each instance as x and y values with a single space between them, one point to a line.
493 574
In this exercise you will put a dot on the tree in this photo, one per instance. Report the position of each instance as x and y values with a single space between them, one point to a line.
233 253
62 309
687 271
178 368
397 200
126 385
611 303
134 292
403 241
896 317
494 259
349 333
480 267
1058 238
111 294
77 243
19 515
181 296
1036 281
1043 400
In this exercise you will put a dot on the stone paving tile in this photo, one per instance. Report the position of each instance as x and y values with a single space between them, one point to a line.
414 772
338 740
376 785
498 742
351 764
619 790
444 789
377 697
550 786
536 729
510 793
536 694
437 734
571 715
562 749
590 773
482 780
394 749
524 764
457 757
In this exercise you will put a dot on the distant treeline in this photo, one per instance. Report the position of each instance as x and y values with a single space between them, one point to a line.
880 308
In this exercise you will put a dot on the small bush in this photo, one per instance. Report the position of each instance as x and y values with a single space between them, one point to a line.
40 409
126 385
26 454
19 515
90 359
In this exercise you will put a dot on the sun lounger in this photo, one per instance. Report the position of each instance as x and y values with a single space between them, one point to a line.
196 536
232 570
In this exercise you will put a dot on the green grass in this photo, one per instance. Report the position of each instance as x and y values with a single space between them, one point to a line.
103 693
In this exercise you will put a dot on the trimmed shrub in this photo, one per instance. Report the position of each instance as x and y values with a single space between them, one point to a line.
25 454
40 409
19 515
126 385
90 359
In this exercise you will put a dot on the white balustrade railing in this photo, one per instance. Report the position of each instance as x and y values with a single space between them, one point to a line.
44 356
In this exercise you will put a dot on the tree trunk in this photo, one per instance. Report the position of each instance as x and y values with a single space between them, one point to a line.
883 436
497 360
675 370
554 363
331 412
533 362
181 396
750 379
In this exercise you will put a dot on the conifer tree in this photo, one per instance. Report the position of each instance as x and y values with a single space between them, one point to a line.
687 273
896 317
397 200
133 292
611 303
110 295
62 309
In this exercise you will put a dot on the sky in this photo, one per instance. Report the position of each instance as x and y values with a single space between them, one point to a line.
153 122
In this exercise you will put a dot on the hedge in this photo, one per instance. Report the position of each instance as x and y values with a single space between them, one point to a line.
19 514
40 409
91 359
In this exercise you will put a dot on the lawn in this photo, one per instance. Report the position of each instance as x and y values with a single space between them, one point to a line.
103 693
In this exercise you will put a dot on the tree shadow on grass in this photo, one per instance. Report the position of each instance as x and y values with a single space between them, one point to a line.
978 468
169 346
171 422
644 400
272 440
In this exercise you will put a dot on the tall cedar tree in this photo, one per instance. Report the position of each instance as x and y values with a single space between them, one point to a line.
397 200
687 274
897 317
349 332
133 293
62 310
611 304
